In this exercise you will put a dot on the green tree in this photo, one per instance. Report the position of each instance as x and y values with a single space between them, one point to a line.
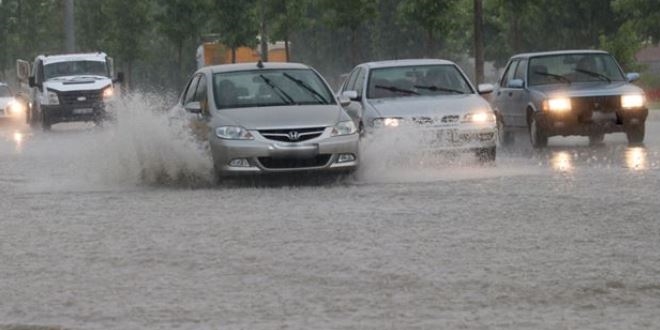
286 16
433 16
237 23
349 15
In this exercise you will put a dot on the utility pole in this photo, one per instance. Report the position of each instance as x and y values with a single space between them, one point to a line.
69 27
478 41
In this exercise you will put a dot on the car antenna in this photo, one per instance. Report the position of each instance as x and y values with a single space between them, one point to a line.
260 64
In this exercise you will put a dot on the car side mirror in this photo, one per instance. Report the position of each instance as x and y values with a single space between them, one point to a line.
485 88
193 107
33 83
515 83
352 95
632 76
344 101
119 79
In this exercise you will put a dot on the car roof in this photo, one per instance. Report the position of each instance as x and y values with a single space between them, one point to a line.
406 62
559 52
252 66
73 57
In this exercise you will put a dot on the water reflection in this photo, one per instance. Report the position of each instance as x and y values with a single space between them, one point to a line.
562 161
18 140
636 158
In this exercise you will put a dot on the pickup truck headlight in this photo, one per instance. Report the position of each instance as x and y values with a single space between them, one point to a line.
479 117
386 122
633 101
233 133
559 104
52 98
344 128
108 93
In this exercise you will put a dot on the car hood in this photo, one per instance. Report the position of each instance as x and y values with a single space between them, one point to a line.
588 89
428 106
291 116
4 101
77 83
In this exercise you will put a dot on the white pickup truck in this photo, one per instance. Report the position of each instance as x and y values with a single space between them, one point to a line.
70 87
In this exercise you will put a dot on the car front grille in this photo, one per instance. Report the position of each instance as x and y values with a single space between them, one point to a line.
293 134
427 121
81 98
284 163
607 103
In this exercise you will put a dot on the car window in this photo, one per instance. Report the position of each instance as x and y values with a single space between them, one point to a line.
521 70
509 73
570 68
350 82
190 91
201 94
417 80
272 87
359 81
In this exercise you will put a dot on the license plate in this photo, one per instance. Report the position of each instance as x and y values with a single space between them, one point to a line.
603 116
440 136
84 111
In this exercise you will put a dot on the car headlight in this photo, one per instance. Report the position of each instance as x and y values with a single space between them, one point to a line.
344 128
52 97
108 93
633 101
16 107
559 104
386 122
479 117
233 133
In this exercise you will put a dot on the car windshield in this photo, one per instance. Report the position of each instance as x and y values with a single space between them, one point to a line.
571 68
423 80
267 88
4 91
75 68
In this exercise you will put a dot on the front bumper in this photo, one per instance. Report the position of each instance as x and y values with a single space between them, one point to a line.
443 138
267 156
71 113
587 123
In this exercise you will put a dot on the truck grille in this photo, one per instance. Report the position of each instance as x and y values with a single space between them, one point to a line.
292 135
81 98
283 163
607 103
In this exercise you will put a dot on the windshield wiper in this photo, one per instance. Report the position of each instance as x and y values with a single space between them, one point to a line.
434 88
280 92
594 74
312 91
397 89
555 76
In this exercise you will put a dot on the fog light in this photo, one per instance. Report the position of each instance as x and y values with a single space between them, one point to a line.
345 158
239 162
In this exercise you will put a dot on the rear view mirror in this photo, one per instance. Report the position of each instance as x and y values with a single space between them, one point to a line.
193 107
32 82
632 76
485 88
351 95
22 70
515 83
344 101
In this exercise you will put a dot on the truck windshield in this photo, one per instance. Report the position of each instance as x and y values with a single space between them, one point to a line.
4 91
418 80
75 68
266 88
572 68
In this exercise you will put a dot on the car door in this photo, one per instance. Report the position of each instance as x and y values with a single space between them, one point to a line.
508 98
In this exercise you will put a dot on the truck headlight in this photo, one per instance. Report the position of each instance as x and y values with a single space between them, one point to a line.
633 101
344 128
479 117
233 133
108 93
558 104
52 97
386 122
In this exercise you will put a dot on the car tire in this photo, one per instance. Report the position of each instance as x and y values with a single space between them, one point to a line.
596 139
537 136
504 136
636 134
487 155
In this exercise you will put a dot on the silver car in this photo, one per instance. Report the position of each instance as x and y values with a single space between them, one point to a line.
429 96
10 107
270 117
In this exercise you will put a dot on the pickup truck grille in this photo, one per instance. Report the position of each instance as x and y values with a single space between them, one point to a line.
81 98
293 134
608 103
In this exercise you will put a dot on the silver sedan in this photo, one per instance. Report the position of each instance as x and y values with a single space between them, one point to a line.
270 117
431 97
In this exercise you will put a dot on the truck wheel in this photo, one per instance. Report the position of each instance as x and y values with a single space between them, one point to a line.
596 139
537 137
635 134
487 155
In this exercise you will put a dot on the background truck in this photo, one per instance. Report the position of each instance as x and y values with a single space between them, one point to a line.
214 52
68 88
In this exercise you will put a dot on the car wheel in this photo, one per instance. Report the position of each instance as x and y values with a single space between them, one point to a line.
596 139
537 136
487 155
504 136
635 134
